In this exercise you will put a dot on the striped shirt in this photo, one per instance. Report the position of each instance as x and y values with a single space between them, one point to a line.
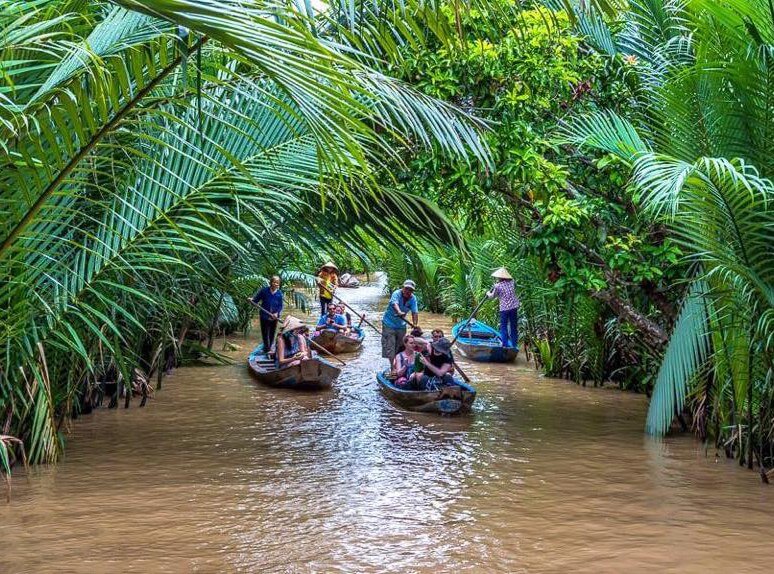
506 292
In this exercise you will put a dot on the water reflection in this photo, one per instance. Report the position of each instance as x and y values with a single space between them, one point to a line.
221 474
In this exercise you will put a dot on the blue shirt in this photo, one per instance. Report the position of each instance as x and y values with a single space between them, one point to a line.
390 319
272 302
338 319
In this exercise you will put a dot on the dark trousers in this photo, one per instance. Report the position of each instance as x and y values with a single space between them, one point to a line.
509 327
268 330
324 305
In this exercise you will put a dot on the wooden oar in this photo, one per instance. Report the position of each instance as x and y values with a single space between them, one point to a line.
324 350
343 302
465 377
473 314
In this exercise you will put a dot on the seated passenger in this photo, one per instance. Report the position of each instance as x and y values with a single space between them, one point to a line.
291 343
331 320
403 364
341 311
438 366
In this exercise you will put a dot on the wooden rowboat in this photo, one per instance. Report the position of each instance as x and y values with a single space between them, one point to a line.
314 373
448 400
480 342
336 342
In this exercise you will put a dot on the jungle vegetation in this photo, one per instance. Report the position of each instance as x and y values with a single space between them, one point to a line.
631 197
160 159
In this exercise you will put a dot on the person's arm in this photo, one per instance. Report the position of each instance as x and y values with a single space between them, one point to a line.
281 305
438 372
414 310
256 299
306 348
493 292
281 359
396 366
394 304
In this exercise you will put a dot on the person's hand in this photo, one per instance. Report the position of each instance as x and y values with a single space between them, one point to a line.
274 316
402 315
422 359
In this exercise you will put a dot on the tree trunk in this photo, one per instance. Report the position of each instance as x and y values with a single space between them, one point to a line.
654 335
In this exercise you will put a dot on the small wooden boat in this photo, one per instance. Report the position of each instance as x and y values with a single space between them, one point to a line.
336 342
448 400
314 373
480 342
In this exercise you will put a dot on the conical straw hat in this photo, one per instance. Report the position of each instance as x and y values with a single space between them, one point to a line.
502 273
330 264
291 323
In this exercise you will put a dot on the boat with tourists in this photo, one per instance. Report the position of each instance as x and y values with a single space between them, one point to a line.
450 400
478 341
337 342
310 374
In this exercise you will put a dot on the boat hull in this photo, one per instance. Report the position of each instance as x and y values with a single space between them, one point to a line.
446 401
337 343
484 345
314 373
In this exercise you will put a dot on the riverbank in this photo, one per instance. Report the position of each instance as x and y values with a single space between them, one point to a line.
221 474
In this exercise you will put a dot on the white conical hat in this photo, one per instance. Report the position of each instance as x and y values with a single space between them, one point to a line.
330 264
502 273
292 323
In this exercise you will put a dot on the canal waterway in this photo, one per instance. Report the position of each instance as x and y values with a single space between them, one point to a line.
220 474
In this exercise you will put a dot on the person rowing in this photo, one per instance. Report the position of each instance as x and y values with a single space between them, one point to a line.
505 290
292 347
401 302
270 301
328 280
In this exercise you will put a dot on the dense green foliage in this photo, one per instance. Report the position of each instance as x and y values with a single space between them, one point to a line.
596 279
631 196
152 177
698 144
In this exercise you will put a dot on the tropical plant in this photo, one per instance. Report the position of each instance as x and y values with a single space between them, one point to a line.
699 150
160 159
564 222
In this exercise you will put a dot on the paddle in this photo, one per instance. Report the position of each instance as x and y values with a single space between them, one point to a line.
473 314
362 317
465 377
324 350
312 342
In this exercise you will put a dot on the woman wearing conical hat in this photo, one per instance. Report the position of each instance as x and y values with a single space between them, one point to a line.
328 280
292 347
505 290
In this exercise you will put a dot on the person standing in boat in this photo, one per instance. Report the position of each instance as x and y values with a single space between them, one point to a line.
270 301
327 280
402 301
292 347
505 290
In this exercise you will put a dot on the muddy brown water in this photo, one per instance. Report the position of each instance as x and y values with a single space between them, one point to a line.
219 474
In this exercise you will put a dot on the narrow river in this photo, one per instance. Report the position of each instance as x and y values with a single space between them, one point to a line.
219 474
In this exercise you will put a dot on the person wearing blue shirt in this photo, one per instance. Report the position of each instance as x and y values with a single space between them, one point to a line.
332 320
269 299
393 326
